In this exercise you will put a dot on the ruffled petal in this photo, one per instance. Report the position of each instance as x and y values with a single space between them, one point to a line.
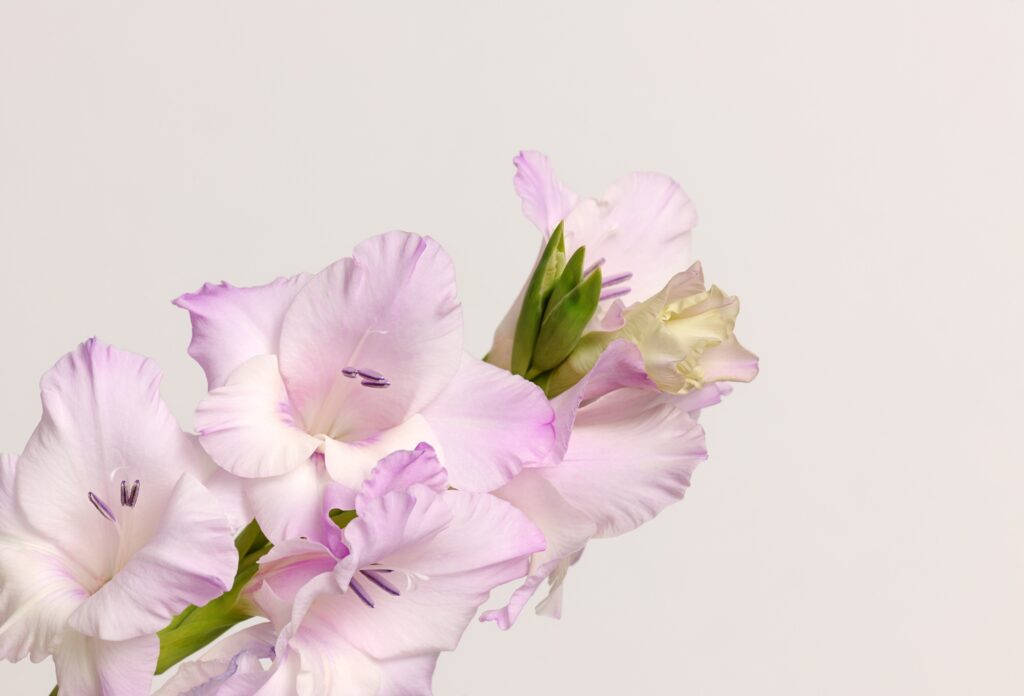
453 550
247 425
88 666
231 325
546 200
631 454
190 559
565 529
401 470
641 225
490 423
729 361
231 667
391 308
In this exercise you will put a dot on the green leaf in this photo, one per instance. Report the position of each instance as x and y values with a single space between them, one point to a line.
535 300
564 325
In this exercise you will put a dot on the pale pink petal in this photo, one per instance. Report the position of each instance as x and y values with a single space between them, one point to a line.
391 308
336 667
565 529
641 225
489 423
729 361
38 593
631 454
190 559
103 422
290 565
620 366
39 589
88 666
692 402
231 325
289 505
551 606
546 200
231 667
400 470
247 425
350 463
409 676
230 493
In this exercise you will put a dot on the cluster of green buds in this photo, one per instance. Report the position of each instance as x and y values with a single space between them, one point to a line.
560 300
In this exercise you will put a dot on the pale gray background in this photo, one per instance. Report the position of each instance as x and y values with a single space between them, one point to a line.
858 170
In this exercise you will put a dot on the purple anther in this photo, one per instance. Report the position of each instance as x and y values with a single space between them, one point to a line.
617 292
124 493
616 279
101 507
371 375
133 494
361 593
374 577
350 372
593 267
372 384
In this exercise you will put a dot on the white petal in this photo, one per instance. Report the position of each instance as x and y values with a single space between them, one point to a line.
247 425
88 666
350 463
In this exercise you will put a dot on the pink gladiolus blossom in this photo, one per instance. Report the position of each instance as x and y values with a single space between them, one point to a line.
624 452
366 610
106 531
314 379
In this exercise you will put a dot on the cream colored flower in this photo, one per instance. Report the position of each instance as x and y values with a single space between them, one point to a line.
685 333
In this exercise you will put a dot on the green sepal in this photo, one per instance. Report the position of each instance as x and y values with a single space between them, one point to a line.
342 517
567 280
582 359
538 290
564 325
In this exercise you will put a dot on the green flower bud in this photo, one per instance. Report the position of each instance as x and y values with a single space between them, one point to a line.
549 267
565 322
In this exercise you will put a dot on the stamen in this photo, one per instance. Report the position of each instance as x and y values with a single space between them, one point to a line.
133 495
360 593
124 493
380 582
617 292
372 375
593 267
370 378
616 279
101 507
